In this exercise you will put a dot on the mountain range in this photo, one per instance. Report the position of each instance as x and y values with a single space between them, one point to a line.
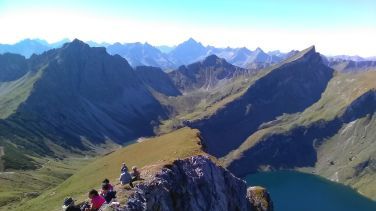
298 110
29 47
189 52
170 58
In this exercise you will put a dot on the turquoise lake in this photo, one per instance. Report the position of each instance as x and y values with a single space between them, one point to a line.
295 191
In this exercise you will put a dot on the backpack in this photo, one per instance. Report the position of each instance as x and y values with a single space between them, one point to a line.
109 196
125 178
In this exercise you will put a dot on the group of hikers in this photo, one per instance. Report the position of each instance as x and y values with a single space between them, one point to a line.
106 198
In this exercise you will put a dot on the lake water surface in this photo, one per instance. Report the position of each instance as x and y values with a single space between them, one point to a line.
295 191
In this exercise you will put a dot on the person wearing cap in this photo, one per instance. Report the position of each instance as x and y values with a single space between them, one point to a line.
68 205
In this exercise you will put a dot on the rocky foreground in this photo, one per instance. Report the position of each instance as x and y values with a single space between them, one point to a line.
196 183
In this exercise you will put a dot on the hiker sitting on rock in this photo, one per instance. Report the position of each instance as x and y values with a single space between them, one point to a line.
96 201
106 181
69 205
123 168
125 178
136 175
107 194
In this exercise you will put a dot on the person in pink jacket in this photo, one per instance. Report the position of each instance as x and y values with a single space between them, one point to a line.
96 201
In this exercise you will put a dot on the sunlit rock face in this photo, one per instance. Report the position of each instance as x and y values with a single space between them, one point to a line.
195 183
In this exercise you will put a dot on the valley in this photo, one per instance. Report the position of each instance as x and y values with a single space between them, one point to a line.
152 153
187 105
17 187
68 114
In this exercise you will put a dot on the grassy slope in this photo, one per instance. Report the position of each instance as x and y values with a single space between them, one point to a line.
178 144
353 153
13 93
23 185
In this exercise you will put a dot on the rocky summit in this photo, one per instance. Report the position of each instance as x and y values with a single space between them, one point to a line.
196 183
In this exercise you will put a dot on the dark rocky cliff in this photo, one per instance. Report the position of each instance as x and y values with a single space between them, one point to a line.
196 183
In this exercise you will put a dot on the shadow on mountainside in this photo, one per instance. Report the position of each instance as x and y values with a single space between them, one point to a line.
297 147
289 88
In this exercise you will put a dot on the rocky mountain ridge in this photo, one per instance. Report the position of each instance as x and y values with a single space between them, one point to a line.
144 54
189 51
287 88
196 183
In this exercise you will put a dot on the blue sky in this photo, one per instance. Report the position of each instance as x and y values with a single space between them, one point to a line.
334 26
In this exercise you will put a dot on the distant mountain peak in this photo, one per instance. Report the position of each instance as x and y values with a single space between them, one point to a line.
80 48
310 50
259 50
76 43
211 60
245 50
191 40
188 52
212 57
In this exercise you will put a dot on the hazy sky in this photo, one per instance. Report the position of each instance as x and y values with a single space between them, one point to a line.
334 26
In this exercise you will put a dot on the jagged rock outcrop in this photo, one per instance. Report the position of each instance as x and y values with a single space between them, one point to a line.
259 199
195 183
